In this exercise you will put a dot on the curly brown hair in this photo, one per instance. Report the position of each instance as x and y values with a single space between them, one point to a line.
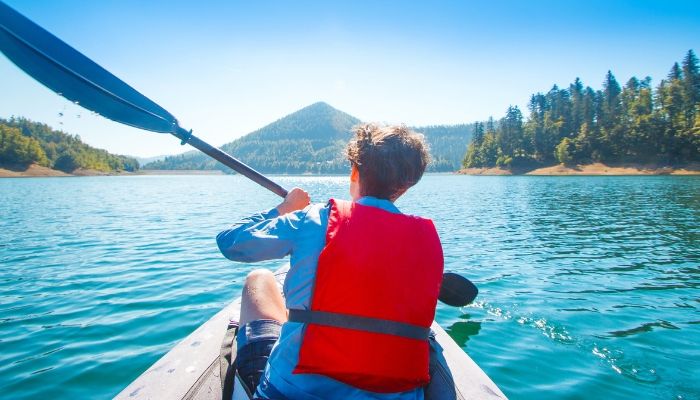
390 159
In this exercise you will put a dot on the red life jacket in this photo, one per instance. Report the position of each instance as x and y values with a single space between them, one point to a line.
374 298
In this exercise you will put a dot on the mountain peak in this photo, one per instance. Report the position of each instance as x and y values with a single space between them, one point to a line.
316 121
320 109
320 105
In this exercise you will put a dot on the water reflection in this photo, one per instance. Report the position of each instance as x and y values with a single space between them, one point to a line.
461 331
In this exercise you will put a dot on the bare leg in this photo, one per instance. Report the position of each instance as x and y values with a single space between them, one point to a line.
261 298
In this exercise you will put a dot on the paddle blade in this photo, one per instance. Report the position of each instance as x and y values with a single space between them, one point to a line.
457 290
67 72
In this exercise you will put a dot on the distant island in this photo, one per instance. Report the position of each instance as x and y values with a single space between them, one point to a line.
618 130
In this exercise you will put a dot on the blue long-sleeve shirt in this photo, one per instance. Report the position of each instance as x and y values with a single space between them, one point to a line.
302 235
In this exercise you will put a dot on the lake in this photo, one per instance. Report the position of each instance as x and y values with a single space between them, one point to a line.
589 286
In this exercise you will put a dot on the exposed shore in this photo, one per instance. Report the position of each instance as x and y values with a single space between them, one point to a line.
31 171
36 171
590 169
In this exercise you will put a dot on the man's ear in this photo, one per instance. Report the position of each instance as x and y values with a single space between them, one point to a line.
354 174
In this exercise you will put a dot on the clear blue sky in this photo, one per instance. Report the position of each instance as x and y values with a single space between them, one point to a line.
226 68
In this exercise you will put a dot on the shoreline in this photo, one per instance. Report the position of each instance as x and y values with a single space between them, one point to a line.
37 171
594 169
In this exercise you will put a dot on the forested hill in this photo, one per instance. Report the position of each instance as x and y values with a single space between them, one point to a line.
312 140
24 142
619 124
448 143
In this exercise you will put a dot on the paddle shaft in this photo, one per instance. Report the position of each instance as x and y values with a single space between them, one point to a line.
232 163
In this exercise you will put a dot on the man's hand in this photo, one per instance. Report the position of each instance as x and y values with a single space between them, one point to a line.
296 199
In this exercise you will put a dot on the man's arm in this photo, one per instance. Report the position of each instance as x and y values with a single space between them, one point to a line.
265 236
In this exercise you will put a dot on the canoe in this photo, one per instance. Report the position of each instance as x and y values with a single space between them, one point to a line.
191 369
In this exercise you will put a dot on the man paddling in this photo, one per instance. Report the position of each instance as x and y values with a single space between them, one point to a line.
361 290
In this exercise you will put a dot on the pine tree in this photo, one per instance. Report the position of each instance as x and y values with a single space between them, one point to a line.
577 105
534 127
610 127
510 133
675 72
490 126
673 116
691 87
611 101
589 108
478 133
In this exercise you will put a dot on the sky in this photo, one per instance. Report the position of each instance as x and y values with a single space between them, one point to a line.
227 68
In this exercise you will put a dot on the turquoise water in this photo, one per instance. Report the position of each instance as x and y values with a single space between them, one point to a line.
590 286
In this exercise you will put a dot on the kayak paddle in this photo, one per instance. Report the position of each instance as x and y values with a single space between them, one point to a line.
72 75
69 73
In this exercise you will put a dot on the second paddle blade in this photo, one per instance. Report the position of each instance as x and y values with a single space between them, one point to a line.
457 290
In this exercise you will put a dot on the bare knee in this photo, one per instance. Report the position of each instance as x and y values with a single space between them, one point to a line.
261 298
259 277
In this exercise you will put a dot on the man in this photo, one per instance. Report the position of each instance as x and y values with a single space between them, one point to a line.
361 290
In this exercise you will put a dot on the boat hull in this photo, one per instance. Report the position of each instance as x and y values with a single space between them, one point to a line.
191 369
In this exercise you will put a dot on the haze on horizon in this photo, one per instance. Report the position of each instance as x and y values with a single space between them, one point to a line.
226 68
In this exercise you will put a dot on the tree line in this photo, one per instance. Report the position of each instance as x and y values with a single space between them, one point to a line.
630 123
24 142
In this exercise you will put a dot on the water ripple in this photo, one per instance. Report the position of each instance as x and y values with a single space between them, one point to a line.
647 327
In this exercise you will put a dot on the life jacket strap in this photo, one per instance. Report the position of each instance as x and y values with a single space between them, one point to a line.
368 324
